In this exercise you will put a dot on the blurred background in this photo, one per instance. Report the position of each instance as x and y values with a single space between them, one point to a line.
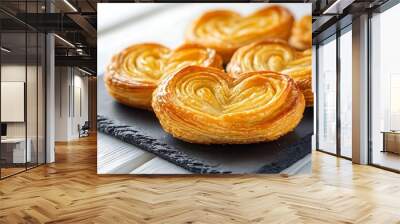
120 25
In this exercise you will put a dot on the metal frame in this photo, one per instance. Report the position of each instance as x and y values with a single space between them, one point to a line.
26 92
44 71
0 95
369 90
338 73
316 96
45 90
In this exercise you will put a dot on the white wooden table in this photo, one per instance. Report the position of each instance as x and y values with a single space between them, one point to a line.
120 25
117 157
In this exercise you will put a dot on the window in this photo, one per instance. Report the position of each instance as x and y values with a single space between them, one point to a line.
346 92
327 96
385 89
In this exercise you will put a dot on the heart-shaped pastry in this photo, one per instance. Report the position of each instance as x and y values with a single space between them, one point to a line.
226 30
135 72
301 37
207 106
277 56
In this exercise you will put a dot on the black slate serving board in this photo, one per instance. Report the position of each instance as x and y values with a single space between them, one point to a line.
141 128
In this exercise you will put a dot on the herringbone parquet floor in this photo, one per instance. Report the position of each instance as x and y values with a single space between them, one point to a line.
69 191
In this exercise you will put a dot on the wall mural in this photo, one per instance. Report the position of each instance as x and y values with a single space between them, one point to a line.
205 88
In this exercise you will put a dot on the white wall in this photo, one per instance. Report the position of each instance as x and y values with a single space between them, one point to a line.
81 89
61 103
70 83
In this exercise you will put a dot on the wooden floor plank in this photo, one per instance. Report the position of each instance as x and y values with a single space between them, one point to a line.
70 191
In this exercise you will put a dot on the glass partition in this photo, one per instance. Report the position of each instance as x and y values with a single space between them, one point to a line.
327 96
13 94
22 77
385 89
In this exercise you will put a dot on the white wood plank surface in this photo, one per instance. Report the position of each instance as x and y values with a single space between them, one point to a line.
302 166
159 166
117 157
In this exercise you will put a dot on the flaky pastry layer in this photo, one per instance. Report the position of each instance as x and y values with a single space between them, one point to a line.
226 30
134 73
301 37
277 56
207 106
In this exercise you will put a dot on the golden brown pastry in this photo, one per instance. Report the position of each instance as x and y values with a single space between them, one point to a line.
301 37
277 56
207 106
135 72
226 30
300 69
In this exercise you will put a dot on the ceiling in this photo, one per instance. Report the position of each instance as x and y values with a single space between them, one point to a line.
332 15
76 20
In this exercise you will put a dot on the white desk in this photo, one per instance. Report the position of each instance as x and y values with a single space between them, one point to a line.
18 149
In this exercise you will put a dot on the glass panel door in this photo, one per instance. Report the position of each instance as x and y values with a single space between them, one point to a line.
23 89
13 94
327 96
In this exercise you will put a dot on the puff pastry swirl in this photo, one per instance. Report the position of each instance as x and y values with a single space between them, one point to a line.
207 106
301 37
277 56
226 30
134 73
